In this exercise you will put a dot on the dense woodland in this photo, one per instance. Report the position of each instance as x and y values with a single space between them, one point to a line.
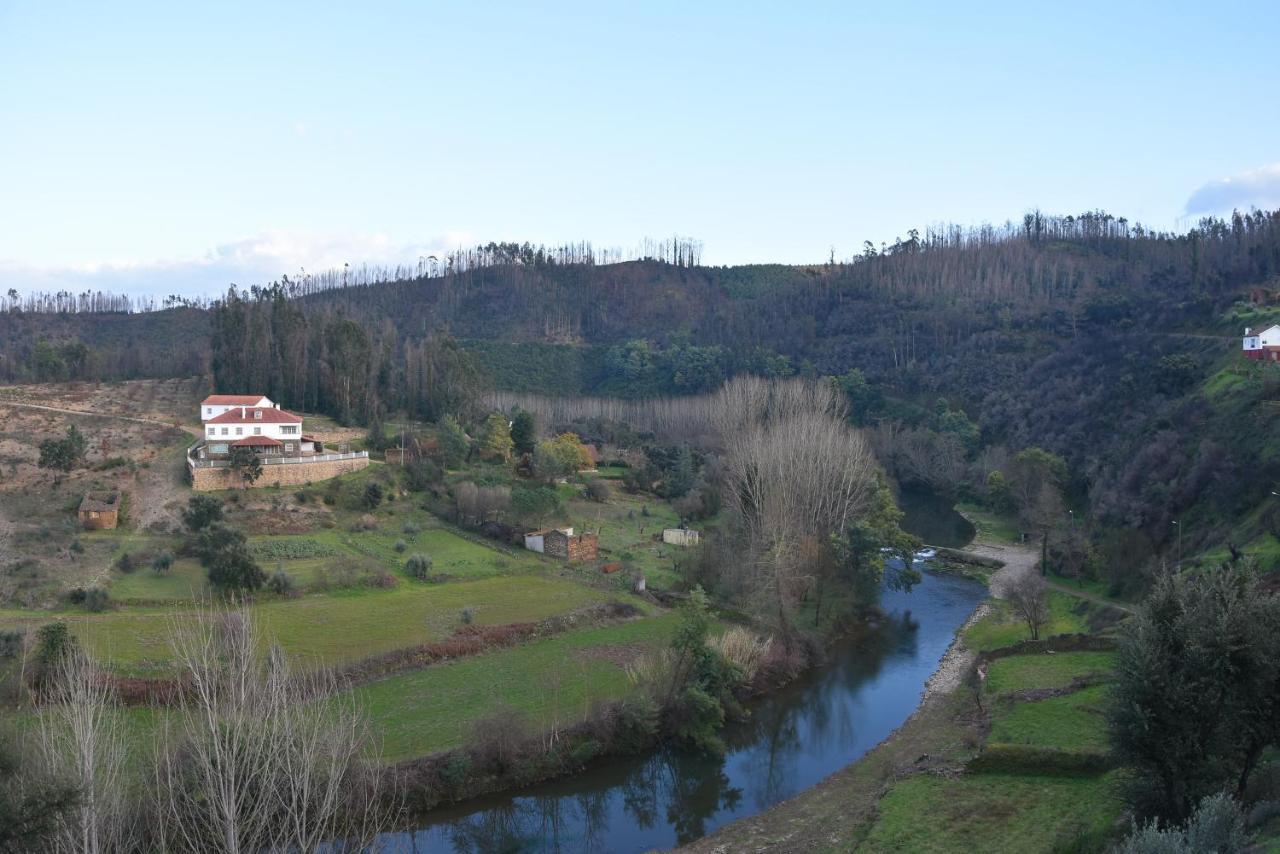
1087 336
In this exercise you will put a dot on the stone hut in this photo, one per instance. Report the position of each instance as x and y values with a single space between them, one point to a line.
571 548
100 510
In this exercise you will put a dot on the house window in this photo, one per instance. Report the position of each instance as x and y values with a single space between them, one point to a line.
239 431
224 431
213 431
257 431
288 431
217 449
257 413
288 447
208 410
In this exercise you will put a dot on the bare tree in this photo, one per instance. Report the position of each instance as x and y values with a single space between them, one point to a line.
259 757
81 741
1028 594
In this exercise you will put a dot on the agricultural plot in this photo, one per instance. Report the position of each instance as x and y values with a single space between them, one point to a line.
995 813
544 684
630 529
341 627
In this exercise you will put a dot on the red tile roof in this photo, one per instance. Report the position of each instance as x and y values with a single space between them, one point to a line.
256 440
245 415
231 400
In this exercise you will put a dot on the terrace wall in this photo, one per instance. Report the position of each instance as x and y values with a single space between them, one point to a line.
295 474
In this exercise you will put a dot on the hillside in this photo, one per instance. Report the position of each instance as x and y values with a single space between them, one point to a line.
1112 347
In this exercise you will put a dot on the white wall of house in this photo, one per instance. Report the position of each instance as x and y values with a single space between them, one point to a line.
213 411
1269 337
680 537
231 432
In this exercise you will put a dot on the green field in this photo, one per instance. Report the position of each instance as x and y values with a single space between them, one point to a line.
994 813
548 682
989 526
1071 722
343 627
1044 670
1002 627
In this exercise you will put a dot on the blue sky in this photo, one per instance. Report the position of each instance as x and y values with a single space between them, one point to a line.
173 148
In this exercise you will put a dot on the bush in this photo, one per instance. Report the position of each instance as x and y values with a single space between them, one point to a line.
77 547
125 563
302 497
372 496
1216 827
11 642
162 562
499 740
599 490
419 566
95 599
383 580
281 583
455 773
467 616
400 546
410 528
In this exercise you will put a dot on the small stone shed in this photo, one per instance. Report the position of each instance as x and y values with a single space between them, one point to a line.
571 548
100 510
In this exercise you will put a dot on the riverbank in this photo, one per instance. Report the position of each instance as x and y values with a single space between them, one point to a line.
924 774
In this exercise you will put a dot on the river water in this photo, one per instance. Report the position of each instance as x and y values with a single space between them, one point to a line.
794 738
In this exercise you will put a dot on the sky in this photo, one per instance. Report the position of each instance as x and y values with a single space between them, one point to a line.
174 148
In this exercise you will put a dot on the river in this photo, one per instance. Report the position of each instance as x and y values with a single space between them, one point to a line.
794 738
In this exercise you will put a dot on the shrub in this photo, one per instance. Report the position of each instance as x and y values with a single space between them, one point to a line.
372 496
410 528
11 643
302 496
467 616
281 583
743 649
400 546
499 740
95 599
599 490
382 579
125 563
162 562
455 773
1216 827
419 566
77 547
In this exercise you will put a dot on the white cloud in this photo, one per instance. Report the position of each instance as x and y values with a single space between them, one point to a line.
1256 188
258 259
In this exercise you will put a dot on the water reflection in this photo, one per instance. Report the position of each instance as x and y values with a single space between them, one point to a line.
793 739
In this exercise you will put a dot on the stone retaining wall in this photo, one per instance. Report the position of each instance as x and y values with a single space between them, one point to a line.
290 474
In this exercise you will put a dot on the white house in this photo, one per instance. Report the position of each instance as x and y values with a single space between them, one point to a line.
216 404
535 541
268 429
1263 342
680 537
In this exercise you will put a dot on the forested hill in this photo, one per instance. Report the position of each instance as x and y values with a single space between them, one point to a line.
1111 346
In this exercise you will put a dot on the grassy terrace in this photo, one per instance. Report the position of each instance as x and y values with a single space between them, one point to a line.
549 682
343 626
1004 628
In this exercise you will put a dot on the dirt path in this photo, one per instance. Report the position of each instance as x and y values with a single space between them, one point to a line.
194 431
1018 561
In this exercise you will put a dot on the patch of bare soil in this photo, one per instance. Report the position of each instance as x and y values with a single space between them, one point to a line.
620 654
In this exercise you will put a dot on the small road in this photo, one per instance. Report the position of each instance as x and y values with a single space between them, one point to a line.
194 431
